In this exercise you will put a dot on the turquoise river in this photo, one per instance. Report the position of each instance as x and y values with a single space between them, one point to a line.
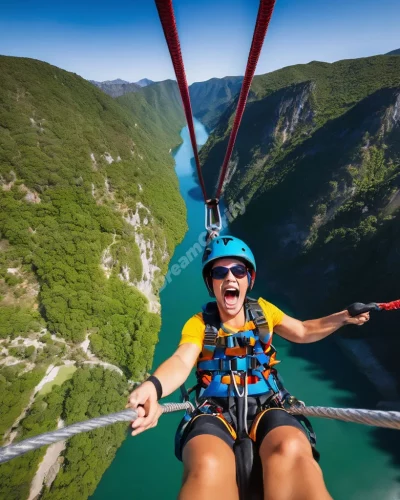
354 466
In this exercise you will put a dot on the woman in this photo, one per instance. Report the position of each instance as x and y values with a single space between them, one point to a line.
239 391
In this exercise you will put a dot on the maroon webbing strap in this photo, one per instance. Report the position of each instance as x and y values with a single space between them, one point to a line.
260 30
167 18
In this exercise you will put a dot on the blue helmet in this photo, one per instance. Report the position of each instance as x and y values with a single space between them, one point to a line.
227 246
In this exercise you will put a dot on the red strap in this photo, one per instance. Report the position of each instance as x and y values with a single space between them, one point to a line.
167 18
260 30
390 306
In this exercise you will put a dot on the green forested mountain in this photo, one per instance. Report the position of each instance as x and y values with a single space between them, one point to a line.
158 107
210 99
317 163
90 213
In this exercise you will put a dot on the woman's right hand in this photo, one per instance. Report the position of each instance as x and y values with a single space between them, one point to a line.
144 401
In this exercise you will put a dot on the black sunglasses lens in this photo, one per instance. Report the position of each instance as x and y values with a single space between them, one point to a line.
220 272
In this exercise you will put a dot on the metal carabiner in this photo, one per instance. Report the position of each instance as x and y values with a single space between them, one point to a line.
213 223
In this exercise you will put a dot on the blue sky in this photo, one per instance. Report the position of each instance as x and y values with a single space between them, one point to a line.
102 40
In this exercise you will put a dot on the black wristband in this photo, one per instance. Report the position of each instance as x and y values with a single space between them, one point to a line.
157 384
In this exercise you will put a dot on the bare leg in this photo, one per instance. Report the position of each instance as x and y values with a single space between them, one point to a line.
289 469
209 470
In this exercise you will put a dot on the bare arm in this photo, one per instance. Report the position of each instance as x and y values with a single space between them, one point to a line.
176 369
312 330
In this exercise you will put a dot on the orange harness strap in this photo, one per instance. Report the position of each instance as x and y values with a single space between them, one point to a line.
253 430
222 419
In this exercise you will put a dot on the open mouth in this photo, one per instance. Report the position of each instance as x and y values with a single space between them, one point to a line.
231 296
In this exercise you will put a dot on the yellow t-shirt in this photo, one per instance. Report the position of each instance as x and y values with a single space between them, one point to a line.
193 331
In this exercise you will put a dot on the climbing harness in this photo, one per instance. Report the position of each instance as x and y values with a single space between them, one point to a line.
241 352
167 18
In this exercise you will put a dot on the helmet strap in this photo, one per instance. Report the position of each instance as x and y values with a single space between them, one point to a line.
251 276
209 284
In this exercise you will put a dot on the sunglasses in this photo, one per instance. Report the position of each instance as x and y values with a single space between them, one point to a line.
220 272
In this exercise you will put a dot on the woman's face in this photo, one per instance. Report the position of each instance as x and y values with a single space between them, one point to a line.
230 291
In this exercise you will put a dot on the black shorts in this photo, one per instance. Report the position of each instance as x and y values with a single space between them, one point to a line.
260 427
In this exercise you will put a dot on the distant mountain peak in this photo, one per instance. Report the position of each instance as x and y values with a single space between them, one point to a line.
144 82
118 81
393 53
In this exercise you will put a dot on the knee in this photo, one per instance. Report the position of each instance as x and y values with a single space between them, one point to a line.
207 466
291 447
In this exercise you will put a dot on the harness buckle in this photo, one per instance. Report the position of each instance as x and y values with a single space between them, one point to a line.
260 322
243 342
253 363
210 335
228 364
221 342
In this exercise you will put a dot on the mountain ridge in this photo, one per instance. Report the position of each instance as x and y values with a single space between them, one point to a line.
118 87
209 99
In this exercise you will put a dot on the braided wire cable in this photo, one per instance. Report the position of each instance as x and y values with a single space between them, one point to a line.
379 418
15 450
388 419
